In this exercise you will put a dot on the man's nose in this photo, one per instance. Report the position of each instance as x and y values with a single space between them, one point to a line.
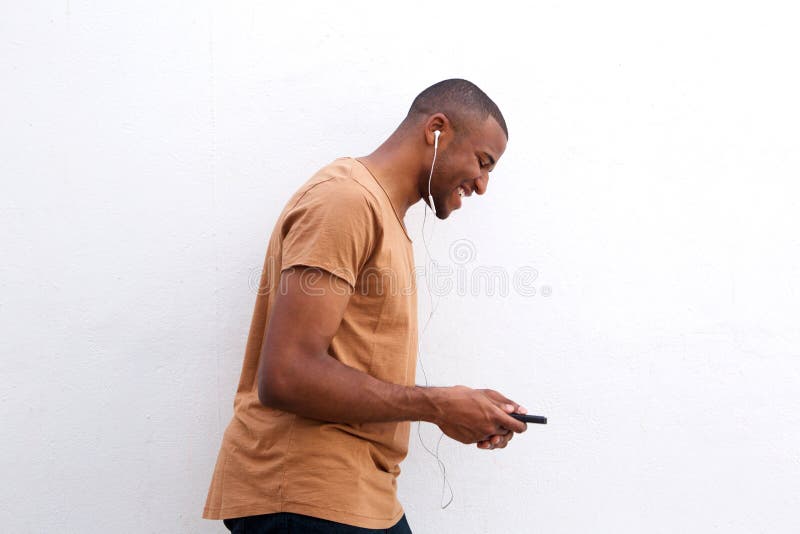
481 184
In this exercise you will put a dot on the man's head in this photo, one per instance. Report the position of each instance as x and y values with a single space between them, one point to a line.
473 137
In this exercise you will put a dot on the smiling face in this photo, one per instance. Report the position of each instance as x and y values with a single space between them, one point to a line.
463 165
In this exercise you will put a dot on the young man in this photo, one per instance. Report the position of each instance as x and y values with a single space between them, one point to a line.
323 408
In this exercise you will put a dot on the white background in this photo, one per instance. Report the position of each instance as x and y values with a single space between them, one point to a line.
651 179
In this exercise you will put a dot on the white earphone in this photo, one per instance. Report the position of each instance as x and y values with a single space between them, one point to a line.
434 305
436 134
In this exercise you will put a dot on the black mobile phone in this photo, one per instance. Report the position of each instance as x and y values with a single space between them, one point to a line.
540 419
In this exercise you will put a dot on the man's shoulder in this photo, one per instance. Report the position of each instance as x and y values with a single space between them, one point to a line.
339 182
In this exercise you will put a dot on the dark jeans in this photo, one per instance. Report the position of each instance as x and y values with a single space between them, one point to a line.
288 523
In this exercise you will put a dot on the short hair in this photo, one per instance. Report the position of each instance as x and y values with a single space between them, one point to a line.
459 100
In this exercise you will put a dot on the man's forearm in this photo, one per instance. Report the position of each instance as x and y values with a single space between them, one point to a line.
324 388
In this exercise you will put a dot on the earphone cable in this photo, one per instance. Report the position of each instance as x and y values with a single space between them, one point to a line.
433 307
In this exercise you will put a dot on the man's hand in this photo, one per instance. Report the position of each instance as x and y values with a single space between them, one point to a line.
478 416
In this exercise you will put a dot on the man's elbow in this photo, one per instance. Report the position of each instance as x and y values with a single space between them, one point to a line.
273 389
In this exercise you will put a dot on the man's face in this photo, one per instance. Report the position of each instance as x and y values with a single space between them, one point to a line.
464 167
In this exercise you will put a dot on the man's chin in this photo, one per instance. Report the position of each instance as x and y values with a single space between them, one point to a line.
440 208
443 214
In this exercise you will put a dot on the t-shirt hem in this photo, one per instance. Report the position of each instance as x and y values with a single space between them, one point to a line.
338 516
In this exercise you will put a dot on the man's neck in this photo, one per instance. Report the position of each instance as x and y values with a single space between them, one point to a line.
394 166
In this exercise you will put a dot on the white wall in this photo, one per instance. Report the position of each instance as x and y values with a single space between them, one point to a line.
650 178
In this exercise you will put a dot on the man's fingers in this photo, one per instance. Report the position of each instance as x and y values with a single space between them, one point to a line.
506 404
504 441
501 442
499 397
509 423
497 441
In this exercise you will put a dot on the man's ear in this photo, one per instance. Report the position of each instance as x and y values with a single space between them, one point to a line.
440 122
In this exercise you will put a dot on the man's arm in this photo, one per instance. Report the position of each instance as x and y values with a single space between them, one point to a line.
296 373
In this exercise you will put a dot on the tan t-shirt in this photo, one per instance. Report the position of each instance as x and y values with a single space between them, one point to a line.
341 221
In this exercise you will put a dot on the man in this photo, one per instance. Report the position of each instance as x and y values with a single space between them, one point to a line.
324 404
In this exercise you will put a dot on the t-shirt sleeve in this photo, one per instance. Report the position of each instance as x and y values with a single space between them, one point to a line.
333 226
